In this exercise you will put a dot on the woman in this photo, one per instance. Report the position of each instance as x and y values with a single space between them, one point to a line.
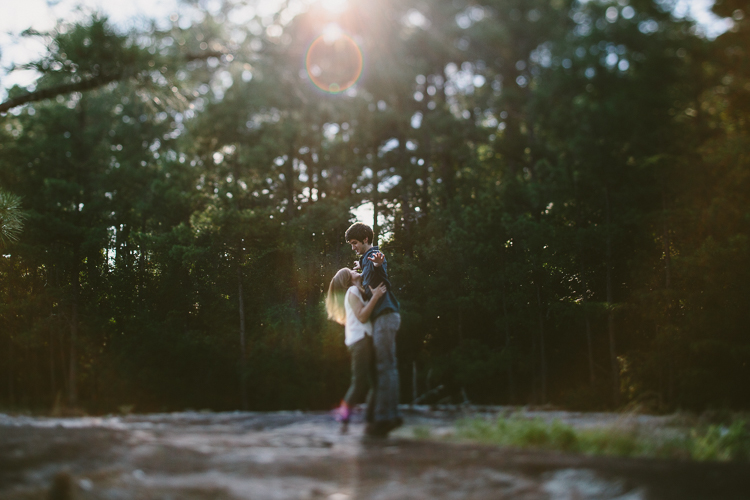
345 305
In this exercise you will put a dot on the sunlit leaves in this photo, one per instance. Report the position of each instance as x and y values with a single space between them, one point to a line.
11 218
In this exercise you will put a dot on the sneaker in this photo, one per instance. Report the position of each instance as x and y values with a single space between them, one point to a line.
343 413
377 429
395 423
381 428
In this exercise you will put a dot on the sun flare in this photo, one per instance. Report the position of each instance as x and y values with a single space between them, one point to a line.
332 32
335 6
334 61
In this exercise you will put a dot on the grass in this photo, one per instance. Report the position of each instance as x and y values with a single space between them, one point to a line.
713 442
422 432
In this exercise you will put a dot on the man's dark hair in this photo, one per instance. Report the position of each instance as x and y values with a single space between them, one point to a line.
359 232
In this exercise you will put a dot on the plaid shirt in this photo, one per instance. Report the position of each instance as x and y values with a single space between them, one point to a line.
372 277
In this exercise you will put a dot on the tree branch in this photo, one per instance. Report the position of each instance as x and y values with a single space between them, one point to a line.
88 84
66 88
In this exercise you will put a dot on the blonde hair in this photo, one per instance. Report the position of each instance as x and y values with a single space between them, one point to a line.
340 283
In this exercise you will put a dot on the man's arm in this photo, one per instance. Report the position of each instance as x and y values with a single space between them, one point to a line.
367 278
373 272
377 259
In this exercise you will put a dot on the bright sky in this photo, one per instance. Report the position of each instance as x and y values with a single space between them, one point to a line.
18 15
41 15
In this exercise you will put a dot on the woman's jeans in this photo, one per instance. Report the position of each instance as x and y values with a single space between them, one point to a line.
363 375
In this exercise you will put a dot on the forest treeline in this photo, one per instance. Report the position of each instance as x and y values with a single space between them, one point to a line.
562 189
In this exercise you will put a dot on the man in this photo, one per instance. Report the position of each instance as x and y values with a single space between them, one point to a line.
386 321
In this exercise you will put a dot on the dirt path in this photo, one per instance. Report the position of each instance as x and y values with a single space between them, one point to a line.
294 455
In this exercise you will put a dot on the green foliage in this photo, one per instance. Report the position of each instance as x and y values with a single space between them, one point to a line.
562 195
421 432
522 433
719 442
716 442
11 218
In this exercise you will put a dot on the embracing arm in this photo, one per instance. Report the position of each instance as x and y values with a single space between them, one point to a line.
362 311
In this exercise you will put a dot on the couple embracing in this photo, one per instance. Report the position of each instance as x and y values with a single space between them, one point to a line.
365 305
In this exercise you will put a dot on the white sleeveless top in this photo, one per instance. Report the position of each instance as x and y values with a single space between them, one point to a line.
354 330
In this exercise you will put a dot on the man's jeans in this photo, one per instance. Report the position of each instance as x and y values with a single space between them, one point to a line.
384 331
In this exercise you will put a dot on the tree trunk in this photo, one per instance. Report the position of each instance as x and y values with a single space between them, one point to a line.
72 386
375 228
426 178
36 382
665 241
610 310
63 364
406 222
11 385
11 316
52 381
406 211
534 375
413 381
661 378
667 285
73 364
670 381
289 184
584 296
511 387
81 156
542 360
243 354
311 185
592 373
141 279
122 247
460 325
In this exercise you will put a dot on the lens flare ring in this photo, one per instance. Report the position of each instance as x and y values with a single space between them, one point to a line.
334 62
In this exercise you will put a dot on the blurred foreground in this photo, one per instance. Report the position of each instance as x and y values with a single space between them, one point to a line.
296 455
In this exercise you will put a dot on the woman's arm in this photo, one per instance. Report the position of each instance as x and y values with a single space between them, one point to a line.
362 312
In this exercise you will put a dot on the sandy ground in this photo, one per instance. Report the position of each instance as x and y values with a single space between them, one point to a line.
296 455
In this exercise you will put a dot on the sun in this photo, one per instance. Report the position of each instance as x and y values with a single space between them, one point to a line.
332 32
334 61
335 6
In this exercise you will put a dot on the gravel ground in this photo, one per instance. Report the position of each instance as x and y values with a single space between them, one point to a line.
296 455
